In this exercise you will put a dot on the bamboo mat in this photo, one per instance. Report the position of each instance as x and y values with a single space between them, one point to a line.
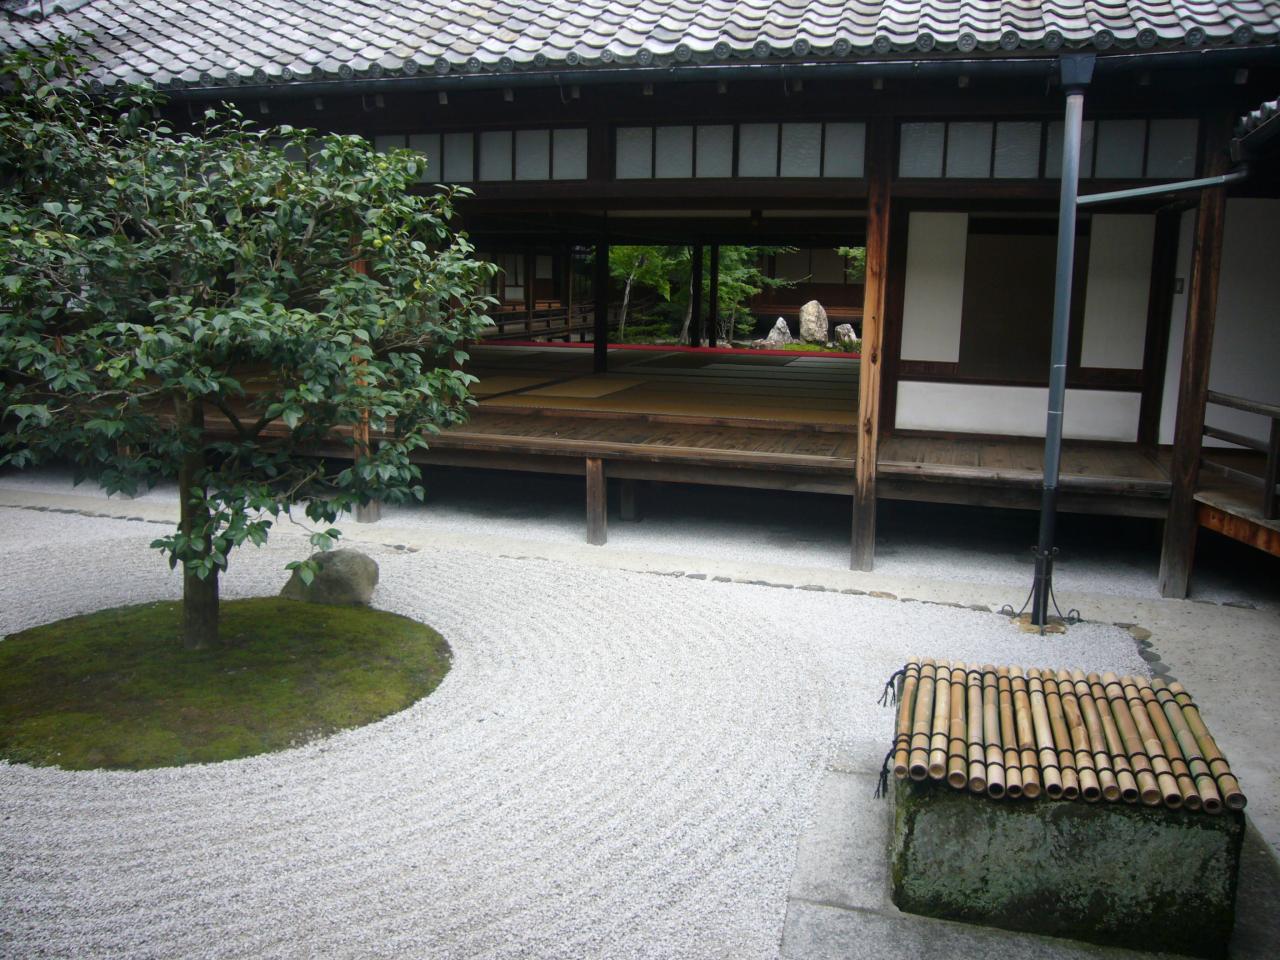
1006 732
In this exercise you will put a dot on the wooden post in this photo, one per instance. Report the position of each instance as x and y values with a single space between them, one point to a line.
629 507
713 299
530 300
873 307
1197 349
600 333
695 298
597 503
1164 266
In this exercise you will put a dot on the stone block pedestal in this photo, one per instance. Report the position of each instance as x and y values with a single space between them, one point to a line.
1110 873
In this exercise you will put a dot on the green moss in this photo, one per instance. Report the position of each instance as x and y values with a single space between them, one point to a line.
116 689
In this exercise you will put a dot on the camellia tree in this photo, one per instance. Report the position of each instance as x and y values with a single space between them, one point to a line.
219 307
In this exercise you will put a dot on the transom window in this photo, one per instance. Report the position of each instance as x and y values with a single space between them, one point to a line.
1029 149
725 150
496 155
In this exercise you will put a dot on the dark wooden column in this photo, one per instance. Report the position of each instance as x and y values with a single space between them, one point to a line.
880 142
1164 265
530 300
600 335
630 506
597 503
713 298
1197 348
695 297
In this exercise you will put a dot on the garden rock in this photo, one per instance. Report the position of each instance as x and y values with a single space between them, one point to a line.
780 334
345 577
813 323
845 334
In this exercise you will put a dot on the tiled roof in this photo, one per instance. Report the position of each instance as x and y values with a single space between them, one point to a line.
215 43
1252 120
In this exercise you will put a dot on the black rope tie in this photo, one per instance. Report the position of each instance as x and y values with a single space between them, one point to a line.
889 697
882 781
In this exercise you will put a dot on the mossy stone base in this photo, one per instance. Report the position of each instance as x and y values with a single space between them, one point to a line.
1109 873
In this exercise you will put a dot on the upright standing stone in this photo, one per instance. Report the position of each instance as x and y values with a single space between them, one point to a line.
813 323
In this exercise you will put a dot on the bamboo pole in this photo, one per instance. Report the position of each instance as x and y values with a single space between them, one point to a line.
1098 744
1125 769
941 721
976 722
1049 766
957 739
1169 741
902 728
1228 785
1133 704
1144 772
1206 786
993 752
1009 735
1090 786
1061 736
1024 716
922 712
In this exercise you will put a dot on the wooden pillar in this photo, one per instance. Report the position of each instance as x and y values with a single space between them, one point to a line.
713 299
1164 266
530 301
873 308
600 334
630 509
695 297
1197 348
597 503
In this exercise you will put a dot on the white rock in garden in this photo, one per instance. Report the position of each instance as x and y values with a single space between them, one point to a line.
845 334
780 333
813 323
345 577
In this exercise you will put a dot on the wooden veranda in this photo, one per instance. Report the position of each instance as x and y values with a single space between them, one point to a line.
730 418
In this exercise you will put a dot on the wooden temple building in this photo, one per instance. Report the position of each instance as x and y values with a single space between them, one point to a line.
931 134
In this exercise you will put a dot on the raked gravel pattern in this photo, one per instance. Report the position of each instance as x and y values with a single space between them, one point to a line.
618 765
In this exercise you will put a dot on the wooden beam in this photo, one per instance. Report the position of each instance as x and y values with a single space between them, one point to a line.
1239 528
1164 266
600 333
1197 348
695 297
597 503
880 141
713 299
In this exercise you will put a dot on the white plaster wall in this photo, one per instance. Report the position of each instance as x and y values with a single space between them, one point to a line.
1246 344
934 295
1115 305
1015 411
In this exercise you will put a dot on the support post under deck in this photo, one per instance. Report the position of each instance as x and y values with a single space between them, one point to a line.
873 307
597 503
1197 347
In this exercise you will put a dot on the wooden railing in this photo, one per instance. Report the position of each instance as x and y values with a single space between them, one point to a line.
1269 448
552 321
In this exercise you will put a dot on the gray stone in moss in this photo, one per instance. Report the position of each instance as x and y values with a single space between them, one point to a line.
1109 873
344 578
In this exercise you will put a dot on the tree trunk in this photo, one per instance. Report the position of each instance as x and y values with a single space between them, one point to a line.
688 313
626 299
199 596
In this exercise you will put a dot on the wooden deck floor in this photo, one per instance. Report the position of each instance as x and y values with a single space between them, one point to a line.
757 421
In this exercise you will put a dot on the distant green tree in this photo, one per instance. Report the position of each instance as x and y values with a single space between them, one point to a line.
665 275
855 267
214 308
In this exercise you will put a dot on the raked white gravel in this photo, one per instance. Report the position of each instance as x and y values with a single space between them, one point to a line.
618 765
